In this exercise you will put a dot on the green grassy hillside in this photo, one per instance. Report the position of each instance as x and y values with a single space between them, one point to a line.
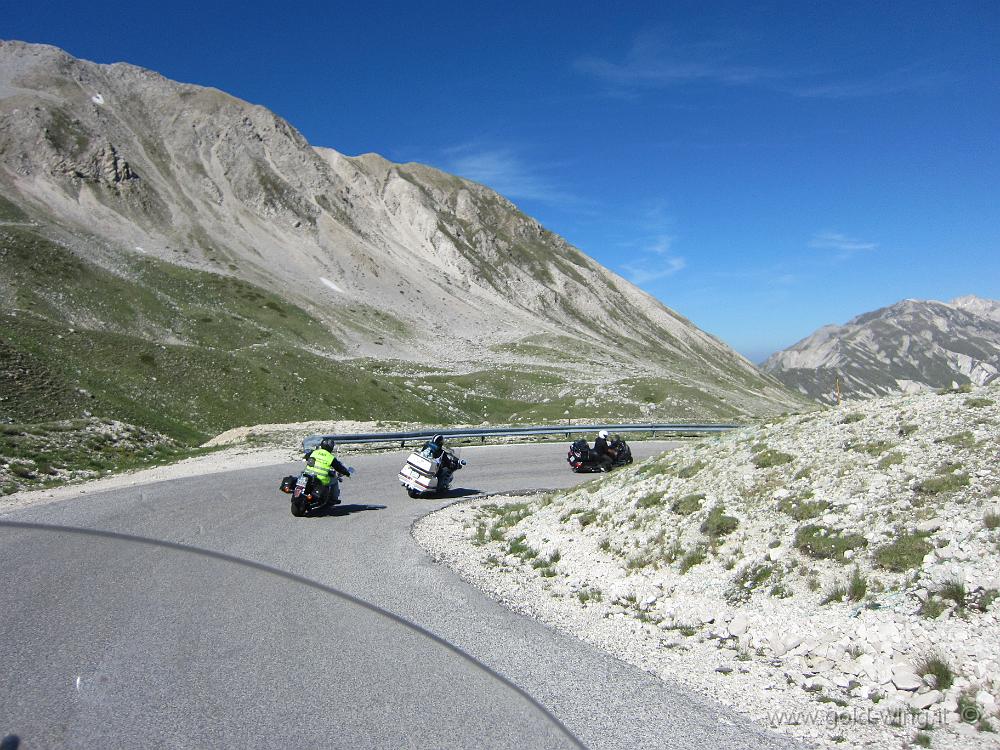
189 354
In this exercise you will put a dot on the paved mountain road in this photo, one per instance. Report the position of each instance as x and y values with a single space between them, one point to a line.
122 644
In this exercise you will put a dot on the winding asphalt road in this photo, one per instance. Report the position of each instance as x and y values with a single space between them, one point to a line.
108 642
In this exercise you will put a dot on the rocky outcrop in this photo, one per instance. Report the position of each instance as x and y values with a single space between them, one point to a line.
910 346
104 165
834 575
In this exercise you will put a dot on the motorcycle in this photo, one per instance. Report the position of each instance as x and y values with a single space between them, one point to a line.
308 496
422 476
582 459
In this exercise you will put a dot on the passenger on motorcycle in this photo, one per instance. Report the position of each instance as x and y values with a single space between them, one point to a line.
319 462
602 451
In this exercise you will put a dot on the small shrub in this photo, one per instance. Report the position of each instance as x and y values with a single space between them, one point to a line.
943 483
853 417
922 739
991 520
905 430
931 608
953 591
509 515
892 459
987 598
544 570
689 471
936 665
977 402
22 471
835 594
802 509
876 448
769 457
968 710
589 595
821 542
857 586
717 524
651 500
780 591
655 469
905 553
960 439
804 473
518 546
688 504
747 580
692 558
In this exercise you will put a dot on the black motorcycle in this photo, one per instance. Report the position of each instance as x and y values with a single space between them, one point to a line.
309 496
582 458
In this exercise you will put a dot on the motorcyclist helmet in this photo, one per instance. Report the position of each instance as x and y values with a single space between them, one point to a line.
438 440
327 443
603 434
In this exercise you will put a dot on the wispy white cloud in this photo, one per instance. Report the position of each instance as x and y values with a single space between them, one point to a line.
654 259
840 243
652 269
652 62
881 84
504 170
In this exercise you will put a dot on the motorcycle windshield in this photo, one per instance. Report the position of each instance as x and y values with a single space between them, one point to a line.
119 642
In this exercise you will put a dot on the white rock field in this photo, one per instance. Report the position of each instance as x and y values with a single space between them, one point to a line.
833 575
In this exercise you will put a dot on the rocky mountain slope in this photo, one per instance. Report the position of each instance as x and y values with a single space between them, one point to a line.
909 346
125 177
835 575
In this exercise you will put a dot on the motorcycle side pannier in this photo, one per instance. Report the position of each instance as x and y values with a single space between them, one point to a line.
288 484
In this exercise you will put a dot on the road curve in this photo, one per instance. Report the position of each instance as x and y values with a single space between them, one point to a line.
115 643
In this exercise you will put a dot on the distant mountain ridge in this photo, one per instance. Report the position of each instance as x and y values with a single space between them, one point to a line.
911 345
399 268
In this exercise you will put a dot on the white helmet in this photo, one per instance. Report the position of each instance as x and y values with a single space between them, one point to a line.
603 434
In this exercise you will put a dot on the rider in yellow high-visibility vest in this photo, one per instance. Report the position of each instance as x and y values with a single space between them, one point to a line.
319 462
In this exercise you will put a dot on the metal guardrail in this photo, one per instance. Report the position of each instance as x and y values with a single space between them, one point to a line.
484 432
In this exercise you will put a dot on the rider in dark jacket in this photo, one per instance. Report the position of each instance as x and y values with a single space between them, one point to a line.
602 451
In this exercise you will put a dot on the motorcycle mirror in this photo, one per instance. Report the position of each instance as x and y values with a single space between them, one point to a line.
462 462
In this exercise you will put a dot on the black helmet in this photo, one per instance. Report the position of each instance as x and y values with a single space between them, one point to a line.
438 440
327 443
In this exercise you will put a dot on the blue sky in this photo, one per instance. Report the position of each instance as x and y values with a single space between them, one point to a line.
763 168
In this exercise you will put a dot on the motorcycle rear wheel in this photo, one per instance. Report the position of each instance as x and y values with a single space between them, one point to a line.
412 492
298 509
